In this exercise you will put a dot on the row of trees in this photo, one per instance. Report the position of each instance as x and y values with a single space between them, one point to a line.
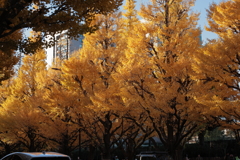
132 80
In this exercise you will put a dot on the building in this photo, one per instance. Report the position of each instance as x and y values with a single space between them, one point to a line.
63 47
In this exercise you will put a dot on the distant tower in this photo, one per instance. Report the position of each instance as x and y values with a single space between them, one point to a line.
63 47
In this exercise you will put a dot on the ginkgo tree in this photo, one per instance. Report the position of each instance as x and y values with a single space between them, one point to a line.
20 115
57 105
138 132
91 75
8 144
156 76
218 64
35 109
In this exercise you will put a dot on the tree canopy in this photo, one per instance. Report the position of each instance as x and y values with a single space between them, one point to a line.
218 64
52 16
48 17
157 76
8 56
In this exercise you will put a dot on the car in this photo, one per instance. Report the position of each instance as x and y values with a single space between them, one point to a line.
153 155
36 156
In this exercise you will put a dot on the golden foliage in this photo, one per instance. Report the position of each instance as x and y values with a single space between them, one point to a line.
156 75
218 63
224 17
148 77
20 115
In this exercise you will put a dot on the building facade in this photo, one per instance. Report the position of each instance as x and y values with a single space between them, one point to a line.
63 47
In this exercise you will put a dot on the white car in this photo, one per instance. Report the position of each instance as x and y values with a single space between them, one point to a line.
36 156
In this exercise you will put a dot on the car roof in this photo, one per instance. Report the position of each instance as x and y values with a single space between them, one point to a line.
147 155
29 155
153 152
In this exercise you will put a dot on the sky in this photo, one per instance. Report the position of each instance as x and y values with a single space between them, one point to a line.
200 6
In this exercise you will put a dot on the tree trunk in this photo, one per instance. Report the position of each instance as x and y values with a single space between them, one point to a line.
64 148
107 137
92 150
176 152
201 137
131 149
